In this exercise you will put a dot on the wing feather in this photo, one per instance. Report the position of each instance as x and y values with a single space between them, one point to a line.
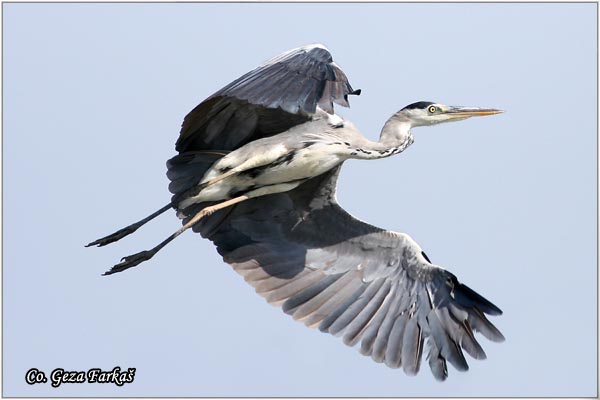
307 303
338 301
339 326
300 250
297 285
448 348
412 346
370 334
310 292
392 349
437 363
385 333
354 331
279 94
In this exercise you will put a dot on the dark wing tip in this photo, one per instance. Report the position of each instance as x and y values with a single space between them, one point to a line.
500 338
481 302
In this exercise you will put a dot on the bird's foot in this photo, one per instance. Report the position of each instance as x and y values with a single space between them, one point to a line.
131 261
118 235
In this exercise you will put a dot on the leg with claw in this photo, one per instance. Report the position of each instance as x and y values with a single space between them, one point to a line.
135 259
121 233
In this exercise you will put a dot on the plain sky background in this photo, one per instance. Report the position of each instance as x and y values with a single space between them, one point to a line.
94 95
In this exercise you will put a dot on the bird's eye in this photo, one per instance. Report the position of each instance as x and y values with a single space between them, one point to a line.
432 109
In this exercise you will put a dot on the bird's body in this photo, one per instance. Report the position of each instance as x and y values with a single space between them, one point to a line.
283 158
286 160
256 174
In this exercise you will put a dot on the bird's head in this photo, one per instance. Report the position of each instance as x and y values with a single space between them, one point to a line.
424 113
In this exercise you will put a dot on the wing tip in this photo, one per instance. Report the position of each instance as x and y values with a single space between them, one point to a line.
479 301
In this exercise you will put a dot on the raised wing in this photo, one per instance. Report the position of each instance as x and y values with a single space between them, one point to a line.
283 92
302 251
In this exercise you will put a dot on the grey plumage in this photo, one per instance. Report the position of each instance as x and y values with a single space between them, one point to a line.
386 307
297 247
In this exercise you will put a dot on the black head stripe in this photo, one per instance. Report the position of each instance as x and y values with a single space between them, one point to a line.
419 104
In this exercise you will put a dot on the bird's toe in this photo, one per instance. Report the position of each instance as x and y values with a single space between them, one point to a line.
130 261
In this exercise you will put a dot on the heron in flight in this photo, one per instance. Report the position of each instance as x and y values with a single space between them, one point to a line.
256 174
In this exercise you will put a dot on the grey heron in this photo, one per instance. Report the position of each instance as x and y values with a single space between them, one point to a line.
256 173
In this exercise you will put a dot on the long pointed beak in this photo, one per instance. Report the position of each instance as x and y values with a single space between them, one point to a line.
466 112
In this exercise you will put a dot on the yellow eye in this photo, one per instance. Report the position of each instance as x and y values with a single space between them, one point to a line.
432 109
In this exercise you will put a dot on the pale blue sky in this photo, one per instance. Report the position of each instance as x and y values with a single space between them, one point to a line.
94 95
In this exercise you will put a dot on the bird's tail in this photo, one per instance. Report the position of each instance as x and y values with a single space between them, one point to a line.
185 171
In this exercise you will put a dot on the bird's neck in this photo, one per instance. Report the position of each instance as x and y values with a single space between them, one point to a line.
395 138
395 133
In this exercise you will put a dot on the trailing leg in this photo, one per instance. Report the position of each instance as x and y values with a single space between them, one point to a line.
121 233
138 258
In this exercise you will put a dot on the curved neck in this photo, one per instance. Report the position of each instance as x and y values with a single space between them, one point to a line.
395 131
395 138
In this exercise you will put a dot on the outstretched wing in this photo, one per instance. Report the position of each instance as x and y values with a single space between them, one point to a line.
281 93
302 251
